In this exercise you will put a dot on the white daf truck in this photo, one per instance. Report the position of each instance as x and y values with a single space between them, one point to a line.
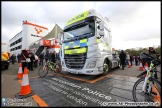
86 45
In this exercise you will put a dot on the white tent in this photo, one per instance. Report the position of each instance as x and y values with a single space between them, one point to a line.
54 33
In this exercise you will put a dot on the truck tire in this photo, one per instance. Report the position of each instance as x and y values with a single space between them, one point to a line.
118 64
6 67
105 67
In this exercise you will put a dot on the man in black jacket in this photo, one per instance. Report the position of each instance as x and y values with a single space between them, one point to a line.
122 57
47 56
13 58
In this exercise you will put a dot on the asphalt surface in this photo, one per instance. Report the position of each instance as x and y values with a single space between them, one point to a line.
10 87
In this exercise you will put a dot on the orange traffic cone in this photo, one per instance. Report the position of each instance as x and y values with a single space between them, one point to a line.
20 73
129 64
141 68
146 66
25 90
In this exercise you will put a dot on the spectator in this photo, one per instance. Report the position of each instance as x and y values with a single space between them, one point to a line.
54 57
139 60
136 60
50 56
18 57
127 58
144 57
41 57
122 57
24 55
13 58
36 61
46 56
131 59
58 55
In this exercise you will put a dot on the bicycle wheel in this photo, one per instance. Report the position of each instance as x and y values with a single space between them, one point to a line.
43 70
154 96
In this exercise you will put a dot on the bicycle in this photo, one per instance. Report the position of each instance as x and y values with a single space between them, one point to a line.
43 70
149 89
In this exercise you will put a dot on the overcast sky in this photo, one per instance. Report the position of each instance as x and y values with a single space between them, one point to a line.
133 24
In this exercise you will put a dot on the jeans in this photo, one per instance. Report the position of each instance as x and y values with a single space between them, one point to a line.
41 62
36 63
126 62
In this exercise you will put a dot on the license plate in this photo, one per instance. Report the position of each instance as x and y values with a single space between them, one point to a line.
74 72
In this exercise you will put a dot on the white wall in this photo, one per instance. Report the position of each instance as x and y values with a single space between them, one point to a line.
4 47
29 31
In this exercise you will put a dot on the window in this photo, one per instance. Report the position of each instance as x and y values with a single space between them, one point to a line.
106 36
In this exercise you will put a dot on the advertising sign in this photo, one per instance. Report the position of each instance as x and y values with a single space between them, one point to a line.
45 42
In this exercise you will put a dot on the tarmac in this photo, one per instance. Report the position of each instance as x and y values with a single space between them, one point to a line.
11 87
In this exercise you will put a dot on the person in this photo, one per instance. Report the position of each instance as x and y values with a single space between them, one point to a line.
32 59
127 58
41 57
58 55
36 61
139 60
122 57
13 58
50 56
54 57
18 57
144 57
23 56
136 60
58 58
152 53
131 59
47 56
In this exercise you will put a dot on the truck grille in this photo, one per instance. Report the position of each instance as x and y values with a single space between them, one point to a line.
75 61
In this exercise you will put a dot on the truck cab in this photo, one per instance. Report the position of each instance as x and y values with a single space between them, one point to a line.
86 45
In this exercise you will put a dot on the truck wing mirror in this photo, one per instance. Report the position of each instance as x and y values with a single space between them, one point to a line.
60 35
101 28
101 25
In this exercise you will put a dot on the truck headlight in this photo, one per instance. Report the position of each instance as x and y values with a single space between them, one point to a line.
91 64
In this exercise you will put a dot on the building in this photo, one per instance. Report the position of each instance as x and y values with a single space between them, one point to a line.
49 42
4 46
34 34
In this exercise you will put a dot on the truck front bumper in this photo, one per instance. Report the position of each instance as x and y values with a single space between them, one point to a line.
86 71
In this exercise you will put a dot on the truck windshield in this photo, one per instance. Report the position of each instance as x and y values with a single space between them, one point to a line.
80 30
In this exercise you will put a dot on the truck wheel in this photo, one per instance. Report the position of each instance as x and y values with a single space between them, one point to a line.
105 67
118 64
6 67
